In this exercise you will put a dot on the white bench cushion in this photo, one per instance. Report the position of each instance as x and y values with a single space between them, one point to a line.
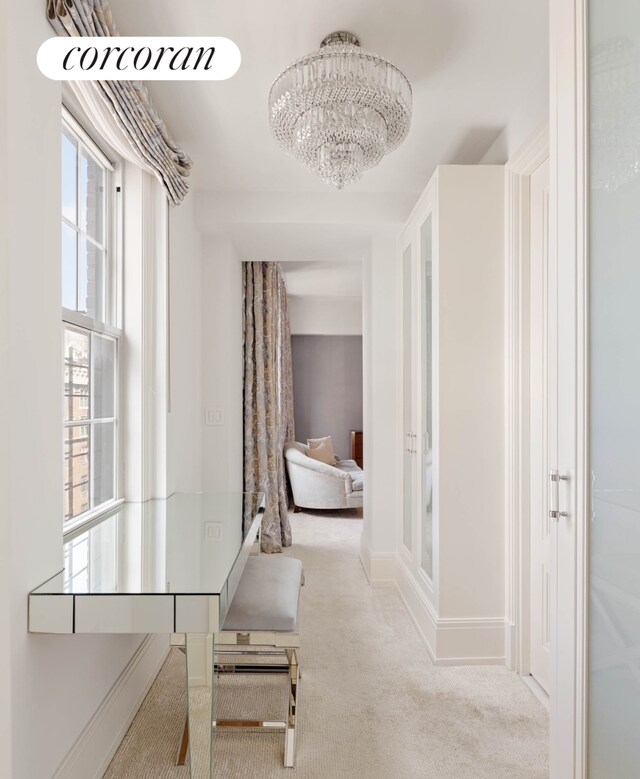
267 597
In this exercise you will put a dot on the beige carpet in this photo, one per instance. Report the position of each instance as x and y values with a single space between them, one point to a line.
372 704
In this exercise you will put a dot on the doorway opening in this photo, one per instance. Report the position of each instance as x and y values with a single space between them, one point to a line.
325 314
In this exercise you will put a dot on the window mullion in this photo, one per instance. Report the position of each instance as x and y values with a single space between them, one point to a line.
89 421
81 321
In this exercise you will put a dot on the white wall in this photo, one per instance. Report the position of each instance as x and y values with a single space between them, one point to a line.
380 398
57 681
184 449
531 116
470 396
325 315
327 388
5 552
222 365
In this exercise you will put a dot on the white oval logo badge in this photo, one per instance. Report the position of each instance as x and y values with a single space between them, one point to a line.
128 58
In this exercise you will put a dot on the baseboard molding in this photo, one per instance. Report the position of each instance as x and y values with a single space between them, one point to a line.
378 568
420 610
91 754
451 641
536 688
511 646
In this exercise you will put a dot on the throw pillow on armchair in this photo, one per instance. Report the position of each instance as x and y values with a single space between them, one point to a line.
314 443
322 452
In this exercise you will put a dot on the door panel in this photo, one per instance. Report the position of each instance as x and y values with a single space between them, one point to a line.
614 390
542 424
407 399
426 395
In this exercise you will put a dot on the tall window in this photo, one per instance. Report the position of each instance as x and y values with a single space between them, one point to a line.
90 327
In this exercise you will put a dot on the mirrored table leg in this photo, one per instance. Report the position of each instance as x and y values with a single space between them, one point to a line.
200 703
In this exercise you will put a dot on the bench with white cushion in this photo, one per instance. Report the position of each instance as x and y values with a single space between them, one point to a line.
267 597
264 617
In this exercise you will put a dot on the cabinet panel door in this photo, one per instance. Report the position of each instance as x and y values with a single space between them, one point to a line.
426 395
407 398
542 423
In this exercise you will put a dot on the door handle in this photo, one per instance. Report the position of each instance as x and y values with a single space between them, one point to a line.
555 477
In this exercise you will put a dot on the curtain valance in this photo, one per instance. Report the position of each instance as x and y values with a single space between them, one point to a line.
128 102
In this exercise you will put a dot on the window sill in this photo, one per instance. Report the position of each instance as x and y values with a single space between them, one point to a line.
90 518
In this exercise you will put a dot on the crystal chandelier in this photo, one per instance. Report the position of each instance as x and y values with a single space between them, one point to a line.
340 109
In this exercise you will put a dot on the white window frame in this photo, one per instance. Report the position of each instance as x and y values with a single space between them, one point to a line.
112 306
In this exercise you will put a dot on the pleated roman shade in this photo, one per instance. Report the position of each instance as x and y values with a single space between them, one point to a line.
131 122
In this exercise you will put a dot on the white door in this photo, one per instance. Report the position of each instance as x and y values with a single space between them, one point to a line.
542 425
407 399
569 154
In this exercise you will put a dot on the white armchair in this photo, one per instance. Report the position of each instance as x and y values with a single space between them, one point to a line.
316 485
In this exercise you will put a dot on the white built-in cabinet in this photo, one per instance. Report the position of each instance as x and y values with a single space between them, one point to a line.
451 544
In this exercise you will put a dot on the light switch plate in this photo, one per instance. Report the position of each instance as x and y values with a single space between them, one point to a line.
213 529
214 416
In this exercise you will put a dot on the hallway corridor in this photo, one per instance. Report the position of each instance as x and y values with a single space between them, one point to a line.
372 704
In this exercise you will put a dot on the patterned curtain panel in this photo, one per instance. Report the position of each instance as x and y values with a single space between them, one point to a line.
268 395
127 101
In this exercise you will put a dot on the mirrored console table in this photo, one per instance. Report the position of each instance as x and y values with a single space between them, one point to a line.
163 566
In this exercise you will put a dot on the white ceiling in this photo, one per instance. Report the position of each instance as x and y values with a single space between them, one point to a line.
471 63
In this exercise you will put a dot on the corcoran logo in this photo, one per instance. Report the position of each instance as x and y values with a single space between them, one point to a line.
125 58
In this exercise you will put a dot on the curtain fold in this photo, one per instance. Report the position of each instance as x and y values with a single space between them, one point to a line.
268 396
137 128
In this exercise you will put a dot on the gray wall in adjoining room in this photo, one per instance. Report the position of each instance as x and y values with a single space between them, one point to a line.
327 388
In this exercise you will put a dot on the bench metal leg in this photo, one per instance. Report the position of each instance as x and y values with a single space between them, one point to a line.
290 734
291 667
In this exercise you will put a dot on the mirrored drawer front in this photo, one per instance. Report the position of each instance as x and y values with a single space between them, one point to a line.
197 613
124 614
51 613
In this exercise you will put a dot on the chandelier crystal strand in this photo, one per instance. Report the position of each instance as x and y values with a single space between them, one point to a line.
340 109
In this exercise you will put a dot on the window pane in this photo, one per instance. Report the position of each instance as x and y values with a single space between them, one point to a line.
69 177
90 371
91 280
76 471
104 376
103 486
92 197
69 267
77 353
